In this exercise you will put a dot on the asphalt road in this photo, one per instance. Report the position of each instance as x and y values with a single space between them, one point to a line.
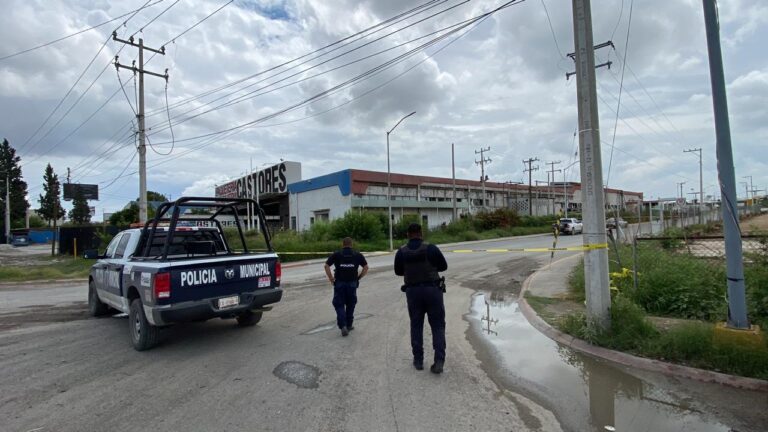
63 371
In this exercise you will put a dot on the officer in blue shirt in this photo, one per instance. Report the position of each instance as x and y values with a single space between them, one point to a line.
419 263
345 281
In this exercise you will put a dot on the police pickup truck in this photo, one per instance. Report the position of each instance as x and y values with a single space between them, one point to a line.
177 270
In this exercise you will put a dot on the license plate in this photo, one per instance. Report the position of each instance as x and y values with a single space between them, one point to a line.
265 281
229 302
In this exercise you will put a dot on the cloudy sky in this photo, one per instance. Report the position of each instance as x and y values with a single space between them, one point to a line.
249 84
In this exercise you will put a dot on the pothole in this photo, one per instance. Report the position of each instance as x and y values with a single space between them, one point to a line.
298 373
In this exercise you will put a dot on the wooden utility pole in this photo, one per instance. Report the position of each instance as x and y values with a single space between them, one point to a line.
530 169
595 240
140 115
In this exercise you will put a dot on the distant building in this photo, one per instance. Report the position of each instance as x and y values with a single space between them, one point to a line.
331 196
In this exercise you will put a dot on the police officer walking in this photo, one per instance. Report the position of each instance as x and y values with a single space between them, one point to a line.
345 281
419 263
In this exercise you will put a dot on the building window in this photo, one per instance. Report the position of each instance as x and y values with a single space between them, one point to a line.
311 220
293 223
322 215
425 221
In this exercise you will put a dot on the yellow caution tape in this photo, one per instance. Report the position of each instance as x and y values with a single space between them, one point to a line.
583 248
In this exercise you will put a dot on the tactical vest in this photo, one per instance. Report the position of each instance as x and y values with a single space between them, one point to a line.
346 267
416 267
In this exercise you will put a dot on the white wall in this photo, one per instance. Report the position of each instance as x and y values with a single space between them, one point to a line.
304 205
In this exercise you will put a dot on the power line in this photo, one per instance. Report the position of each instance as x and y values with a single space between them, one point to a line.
212 139
88 66
245 96
46 44
199 22
552 30
363 76
255 93
386 23
621 89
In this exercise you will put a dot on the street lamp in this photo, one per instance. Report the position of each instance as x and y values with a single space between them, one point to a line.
389 182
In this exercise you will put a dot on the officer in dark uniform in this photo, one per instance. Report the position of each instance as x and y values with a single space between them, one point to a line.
345 281
419 263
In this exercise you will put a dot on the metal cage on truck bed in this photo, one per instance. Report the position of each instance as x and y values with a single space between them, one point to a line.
221 206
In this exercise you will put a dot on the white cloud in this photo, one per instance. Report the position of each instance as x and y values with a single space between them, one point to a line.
502 85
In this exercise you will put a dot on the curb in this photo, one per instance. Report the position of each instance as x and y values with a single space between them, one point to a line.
42 281
664 368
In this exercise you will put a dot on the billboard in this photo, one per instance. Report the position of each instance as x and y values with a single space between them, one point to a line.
89 191
269 181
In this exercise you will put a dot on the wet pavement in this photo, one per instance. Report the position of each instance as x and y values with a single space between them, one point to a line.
591 394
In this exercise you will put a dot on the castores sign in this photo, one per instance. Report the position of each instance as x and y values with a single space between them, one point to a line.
272 180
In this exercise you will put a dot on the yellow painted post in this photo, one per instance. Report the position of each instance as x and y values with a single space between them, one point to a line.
75 248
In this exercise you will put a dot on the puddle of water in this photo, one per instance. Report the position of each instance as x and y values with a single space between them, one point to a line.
586 393
298 373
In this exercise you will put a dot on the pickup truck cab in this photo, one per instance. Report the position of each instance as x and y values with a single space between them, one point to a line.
183 271
571 226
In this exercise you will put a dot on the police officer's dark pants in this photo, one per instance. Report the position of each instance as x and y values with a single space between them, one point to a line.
344 301
426 299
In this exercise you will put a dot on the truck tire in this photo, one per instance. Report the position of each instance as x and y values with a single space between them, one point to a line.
95 307
248 318
143 334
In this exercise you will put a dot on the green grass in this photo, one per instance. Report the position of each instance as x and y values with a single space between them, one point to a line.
539 304
64 268
690 344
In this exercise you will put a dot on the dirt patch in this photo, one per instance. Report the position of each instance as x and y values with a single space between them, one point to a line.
44 314
755 224
508 280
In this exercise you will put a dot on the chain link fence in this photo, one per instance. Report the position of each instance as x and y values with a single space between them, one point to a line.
685 277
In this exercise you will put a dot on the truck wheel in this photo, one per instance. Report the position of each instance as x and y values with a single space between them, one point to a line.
95 307
248 318
143 334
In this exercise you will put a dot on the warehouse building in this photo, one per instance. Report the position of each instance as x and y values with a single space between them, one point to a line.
331 196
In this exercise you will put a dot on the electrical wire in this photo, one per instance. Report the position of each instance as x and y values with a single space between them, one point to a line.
199 22
46 44
255 93
552 30
80 77
621 89
214 139
141 30
122 87
386 23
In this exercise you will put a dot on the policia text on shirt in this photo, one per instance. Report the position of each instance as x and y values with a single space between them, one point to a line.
419 263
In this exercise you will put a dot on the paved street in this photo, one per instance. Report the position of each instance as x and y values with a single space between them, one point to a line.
63 371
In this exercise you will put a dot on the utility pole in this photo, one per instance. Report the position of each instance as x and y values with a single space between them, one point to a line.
594 237
680 186
453 175
552 171
746 190
8 207
140 116
483 160
701 183
530 169
737 302
750 186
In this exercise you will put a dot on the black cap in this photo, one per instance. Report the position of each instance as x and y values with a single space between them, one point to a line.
414 228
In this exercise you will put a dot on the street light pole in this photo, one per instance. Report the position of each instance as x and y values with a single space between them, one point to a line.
389 182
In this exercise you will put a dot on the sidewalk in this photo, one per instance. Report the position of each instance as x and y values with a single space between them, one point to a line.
547 288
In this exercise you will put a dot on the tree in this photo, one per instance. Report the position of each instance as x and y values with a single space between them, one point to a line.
80 213
125 217
10 169
155 196
50 201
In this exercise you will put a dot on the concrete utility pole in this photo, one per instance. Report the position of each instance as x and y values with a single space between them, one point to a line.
140 116
530 169
680 186
746 190
750 187
453 175
596 254
737 303
483 160
552 171
8 208
701 183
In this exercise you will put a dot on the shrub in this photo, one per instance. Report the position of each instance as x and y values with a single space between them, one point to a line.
400 229
499 218
359 226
